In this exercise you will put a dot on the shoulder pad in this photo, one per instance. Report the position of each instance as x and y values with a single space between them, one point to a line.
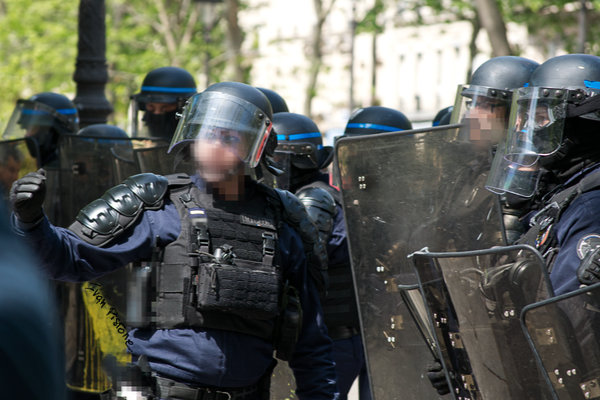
317 197
150 188
295 214
335 193
321 209
104 219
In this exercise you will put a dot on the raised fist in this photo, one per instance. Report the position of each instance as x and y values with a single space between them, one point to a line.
27 196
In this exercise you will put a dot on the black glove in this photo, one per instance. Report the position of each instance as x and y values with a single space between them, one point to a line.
437 377
588 271
27 196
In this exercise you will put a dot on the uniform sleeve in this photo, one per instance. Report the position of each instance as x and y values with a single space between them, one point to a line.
337 247
580 220
311 362
64 256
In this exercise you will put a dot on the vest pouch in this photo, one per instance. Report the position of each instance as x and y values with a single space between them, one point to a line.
246 289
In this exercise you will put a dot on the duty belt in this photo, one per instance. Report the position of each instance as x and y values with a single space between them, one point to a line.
168 388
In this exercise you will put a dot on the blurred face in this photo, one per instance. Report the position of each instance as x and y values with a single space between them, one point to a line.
487 119
217 154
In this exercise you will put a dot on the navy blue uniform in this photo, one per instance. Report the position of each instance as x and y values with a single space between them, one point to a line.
205 357
580 219
348 353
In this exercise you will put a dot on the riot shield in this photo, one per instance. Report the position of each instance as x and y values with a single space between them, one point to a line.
15 161
91 165
94 328
401 192
565 333
475 299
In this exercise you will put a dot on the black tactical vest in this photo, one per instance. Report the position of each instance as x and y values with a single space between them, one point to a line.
220 272
339 306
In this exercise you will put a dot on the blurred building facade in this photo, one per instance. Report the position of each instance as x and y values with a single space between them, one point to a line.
418 66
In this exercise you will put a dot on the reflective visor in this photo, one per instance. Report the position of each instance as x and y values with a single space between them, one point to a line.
536 122
233 122
29 115
474 97
518 175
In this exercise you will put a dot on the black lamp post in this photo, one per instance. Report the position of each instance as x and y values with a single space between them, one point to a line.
91 71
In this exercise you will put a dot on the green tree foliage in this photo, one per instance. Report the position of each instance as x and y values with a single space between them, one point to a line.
556 24
38 46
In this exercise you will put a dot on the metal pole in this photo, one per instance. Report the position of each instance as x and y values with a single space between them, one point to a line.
91 71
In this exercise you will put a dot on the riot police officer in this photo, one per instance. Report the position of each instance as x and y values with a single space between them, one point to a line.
553 131
42 119
232 282
163 93
483 108
301 152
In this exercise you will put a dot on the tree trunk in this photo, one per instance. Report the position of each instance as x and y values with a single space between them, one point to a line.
316 54
473 46
492 21
234 40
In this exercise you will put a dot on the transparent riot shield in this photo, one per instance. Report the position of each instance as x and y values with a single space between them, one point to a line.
90 165
16 160
95 330
475 300
565 333
401 192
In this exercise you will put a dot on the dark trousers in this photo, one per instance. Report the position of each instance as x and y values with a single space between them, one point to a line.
349 358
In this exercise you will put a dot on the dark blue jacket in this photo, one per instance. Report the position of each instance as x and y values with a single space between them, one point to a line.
202 356
580 219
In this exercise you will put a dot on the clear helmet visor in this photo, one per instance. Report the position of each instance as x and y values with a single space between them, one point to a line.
30 118
214 118
483 112
537 121
518 174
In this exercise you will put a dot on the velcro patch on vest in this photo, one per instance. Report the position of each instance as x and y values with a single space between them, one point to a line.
258 222
587 244
197 212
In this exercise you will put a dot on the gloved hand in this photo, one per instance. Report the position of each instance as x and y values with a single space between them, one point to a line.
436 376
27 196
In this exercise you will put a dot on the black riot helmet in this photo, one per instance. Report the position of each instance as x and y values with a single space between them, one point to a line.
442 117
483 106
492 85
376 119
278 104
554 122
236 115
42 119
163 93
300 149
